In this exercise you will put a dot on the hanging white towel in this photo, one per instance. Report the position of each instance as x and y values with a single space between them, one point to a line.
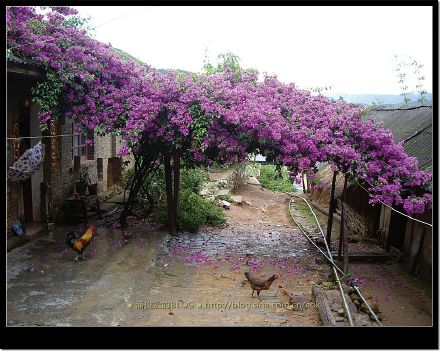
28 163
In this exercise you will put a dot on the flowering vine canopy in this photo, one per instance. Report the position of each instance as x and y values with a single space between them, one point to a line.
221 114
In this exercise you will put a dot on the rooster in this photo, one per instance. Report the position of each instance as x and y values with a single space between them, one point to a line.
259 284
79 245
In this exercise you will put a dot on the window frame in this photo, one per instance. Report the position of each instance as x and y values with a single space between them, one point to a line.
84 151
80 147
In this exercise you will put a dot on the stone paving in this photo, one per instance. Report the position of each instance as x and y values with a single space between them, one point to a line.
199 279
137 283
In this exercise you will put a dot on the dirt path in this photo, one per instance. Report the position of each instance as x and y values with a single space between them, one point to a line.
193 279
199 279
402 299
266 208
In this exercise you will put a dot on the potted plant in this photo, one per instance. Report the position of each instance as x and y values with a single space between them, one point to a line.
84 181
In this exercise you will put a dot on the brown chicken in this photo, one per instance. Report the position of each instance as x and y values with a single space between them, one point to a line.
258 284
79 245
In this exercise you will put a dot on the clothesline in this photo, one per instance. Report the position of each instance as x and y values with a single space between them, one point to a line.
393 209
42 136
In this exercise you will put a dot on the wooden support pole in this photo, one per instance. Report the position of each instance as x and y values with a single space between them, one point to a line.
331 210
176 175
304 184
169 191
344 227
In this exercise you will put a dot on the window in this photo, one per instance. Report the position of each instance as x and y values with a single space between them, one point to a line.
79 146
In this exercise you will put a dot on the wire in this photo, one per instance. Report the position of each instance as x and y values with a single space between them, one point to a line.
43 136
403 214
100 25
330 259
347 309
122 16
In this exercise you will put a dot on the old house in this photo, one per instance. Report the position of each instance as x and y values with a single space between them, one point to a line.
66 155
412 240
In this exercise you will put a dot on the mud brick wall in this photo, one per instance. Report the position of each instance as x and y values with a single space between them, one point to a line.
12 191
61 176
68 178
64 177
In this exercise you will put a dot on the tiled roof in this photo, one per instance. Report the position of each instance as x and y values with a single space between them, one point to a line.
23 61
413 125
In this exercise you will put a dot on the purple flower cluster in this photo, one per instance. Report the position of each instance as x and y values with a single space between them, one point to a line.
213 116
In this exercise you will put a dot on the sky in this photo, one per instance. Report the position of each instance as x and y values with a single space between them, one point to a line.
351 49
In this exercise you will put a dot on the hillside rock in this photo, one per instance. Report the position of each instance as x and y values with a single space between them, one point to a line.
225 204
237 199
253 181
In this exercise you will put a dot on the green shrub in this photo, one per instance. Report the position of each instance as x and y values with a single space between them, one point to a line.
270 179
193 179
194 212
253 169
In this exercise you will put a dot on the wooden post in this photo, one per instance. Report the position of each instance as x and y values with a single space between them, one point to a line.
344 226
176 186
386 227
331 210
307 183
418 233
341 228
169 190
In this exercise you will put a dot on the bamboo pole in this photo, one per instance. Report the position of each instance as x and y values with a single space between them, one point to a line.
176 175
331 209
344 233
169 191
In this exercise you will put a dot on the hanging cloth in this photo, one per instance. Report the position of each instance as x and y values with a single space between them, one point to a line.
29 163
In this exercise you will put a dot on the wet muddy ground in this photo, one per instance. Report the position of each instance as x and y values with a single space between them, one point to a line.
192 279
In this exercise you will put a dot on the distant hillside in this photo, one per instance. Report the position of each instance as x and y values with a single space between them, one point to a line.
377 99
165 70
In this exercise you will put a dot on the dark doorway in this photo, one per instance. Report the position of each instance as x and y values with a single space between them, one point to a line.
397 230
